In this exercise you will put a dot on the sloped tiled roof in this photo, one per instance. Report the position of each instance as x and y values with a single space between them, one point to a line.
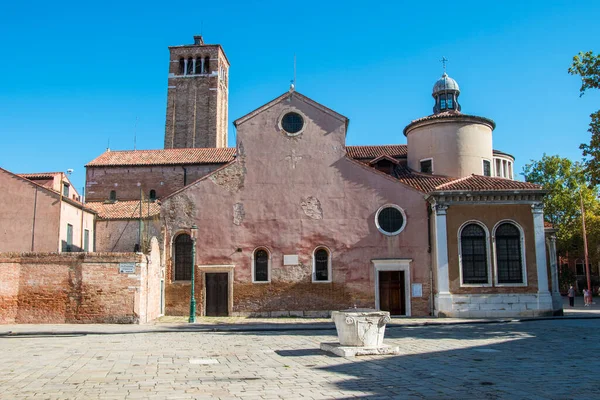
392 150
124 209
165 157
450 115
423 182
485 183
39 175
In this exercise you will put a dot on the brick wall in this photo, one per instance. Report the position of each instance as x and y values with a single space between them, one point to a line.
163 179
121 235
78 287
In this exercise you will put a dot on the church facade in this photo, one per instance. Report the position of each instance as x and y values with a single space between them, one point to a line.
292 221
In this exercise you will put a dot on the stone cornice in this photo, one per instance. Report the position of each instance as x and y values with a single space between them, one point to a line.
487 197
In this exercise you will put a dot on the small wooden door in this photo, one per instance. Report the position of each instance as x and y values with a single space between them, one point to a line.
391 292
217 285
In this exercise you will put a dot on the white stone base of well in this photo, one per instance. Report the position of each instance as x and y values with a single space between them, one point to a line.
353 351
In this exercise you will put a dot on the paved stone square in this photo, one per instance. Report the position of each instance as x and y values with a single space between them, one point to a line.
554 359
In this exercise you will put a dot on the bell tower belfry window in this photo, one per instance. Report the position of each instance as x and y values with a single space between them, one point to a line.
445 93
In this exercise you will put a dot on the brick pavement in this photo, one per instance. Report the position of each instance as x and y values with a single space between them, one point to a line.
526 360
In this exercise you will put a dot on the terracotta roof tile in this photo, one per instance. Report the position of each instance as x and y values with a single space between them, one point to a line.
393 150
165 157
423 182
39 175
124 209
485 183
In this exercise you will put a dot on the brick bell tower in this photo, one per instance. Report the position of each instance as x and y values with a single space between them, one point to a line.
197 96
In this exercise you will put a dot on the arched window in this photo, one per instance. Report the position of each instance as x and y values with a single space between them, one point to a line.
509 259
198 66
261 266
207 65
113 195
152 195
321 265
190 66
183 257
473 249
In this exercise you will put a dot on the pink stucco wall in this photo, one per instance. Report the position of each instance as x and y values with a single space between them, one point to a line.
258 201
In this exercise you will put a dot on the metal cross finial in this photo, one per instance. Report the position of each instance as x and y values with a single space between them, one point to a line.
444 60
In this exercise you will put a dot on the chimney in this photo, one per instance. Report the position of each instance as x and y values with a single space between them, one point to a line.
198 40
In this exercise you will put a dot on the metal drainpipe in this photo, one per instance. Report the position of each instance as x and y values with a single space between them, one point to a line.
184 176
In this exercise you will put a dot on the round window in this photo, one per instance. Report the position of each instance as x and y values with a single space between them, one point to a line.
292 122
390 220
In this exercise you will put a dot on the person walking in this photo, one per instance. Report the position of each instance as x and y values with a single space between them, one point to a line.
585 297
571 295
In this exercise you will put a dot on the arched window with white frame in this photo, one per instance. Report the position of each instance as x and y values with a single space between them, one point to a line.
321 265
261 265
510 268
474 255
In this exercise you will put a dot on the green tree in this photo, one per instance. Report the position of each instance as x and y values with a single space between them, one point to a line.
587 66
564 180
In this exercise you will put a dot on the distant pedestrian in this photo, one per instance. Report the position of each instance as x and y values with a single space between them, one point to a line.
571 295
585 297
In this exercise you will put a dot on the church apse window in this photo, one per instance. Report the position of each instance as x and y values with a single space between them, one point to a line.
261 266
390 220
113 195
473 255
321 265
509 258
183 257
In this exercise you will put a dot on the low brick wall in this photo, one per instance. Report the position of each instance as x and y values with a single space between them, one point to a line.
79 287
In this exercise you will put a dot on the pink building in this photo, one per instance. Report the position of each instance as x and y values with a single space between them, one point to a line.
43 214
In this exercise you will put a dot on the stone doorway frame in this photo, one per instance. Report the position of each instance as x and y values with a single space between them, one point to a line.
396 264
227 268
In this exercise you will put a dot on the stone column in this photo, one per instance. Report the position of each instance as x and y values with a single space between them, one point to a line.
443 298
193 66
202 71
540 247
185 63
551 242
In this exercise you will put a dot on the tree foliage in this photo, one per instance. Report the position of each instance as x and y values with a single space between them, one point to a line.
587 66
565 180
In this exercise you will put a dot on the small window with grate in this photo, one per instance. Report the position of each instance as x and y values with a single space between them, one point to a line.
113 195
261 266
390 220
152 195
321 265
292 123
427 166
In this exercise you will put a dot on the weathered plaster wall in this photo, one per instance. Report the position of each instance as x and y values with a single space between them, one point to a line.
121 235
490 216
292 194
28 216
124 180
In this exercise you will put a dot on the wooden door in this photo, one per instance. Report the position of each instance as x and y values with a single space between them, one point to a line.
217 285
391 292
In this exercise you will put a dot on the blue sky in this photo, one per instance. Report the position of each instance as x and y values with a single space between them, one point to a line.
75 75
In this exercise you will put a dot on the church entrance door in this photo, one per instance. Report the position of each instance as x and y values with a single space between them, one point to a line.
216 294
391 292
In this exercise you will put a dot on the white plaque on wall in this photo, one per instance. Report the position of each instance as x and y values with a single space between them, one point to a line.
417 290
290 260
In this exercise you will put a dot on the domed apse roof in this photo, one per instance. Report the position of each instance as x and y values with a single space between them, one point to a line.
445 83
